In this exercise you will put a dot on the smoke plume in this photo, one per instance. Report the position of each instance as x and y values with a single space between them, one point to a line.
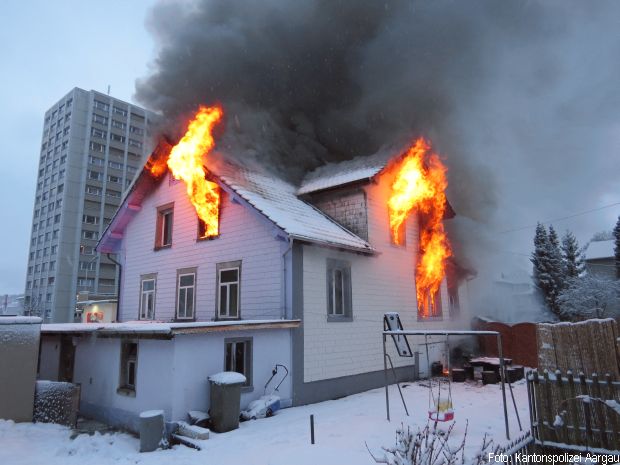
519 97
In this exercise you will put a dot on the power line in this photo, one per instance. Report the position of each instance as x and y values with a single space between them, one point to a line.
561 218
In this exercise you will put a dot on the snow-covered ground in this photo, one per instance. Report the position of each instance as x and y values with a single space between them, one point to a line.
342 427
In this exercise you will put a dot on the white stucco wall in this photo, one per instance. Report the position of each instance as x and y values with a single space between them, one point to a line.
97 369
244 235
171 374
381 283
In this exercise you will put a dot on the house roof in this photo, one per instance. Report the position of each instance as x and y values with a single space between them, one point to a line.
273 198
600 249
332 175
161 330
345 172
277 200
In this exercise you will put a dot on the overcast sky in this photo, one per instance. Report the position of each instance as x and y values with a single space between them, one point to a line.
49 47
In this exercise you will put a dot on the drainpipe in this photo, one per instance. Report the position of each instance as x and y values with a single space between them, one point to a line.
290 246
118 286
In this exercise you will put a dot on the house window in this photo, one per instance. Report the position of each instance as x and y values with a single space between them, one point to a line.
128 368
228 280
163 234
431 308
186 293
101 105
118 124
339 306
96 175
90 235
238 357
400 238
147 297
119 111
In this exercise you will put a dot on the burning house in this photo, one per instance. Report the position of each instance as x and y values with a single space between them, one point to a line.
226 267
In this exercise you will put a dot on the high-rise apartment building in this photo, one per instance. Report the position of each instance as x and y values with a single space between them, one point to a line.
92 147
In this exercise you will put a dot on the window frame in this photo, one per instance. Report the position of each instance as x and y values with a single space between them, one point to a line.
143 279
162 212
437 309
127 359
402 231
181 273
219 268
248 359
344 267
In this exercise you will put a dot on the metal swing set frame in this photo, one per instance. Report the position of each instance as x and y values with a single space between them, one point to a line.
396 334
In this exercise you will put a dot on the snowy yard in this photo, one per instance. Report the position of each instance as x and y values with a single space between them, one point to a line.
342 427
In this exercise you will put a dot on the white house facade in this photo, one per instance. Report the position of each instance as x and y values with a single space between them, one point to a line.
299 276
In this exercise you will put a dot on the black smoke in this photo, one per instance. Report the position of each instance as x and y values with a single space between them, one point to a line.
520 97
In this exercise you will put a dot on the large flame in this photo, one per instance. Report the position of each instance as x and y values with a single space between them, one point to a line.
186 162
420 184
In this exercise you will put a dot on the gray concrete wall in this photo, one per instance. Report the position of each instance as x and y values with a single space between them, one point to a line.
19 349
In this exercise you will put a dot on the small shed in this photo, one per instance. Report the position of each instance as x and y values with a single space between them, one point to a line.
19 342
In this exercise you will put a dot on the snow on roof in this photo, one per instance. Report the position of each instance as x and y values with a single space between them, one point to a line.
600 249
273 197
161 328
277 200
346 172
19 320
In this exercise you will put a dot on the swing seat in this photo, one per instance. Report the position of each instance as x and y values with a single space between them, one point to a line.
446 415
443 411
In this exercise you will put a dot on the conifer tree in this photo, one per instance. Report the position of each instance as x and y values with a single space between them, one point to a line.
556 265
543 260
572 256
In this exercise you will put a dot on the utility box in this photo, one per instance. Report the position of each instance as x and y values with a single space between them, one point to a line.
19 353
225 400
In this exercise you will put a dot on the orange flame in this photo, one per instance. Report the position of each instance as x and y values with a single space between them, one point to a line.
420 184
185 162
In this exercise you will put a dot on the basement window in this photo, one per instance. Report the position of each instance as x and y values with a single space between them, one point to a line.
339 306
238 358
228 283
128 368
163 233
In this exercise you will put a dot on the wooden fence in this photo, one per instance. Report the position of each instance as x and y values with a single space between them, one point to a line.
518 341
524 444
574 412
588 346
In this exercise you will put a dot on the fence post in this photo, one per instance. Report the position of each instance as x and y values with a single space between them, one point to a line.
529 377
549 415
563 431
586 408
539 408
600 413
572 404
611 394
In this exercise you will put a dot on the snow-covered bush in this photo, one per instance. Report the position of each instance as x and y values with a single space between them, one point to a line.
432 446
56 402
588 297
